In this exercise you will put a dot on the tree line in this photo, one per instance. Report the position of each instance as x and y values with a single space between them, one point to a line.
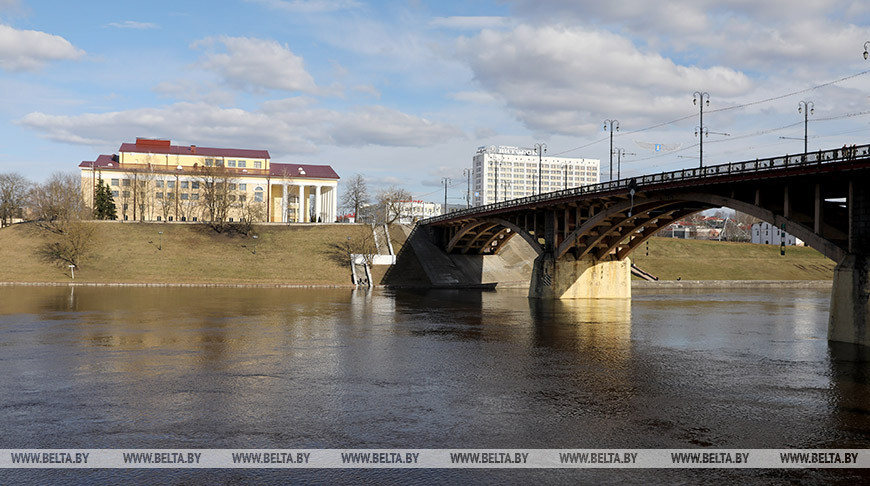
386 205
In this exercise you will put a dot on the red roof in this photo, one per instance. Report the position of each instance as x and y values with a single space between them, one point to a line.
153 147
102 161
293 170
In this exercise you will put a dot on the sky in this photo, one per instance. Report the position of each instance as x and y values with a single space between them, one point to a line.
404 92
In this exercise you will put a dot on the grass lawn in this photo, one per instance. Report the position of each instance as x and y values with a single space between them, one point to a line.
313 255
670 258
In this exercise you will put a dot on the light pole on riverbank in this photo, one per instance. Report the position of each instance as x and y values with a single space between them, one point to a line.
806 107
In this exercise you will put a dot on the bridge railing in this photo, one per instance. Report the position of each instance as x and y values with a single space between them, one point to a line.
700 173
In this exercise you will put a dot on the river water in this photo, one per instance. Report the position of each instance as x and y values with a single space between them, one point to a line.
285 368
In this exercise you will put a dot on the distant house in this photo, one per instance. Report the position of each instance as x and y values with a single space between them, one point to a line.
768 234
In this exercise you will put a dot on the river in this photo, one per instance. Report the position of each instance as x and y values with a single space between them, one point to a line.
325 368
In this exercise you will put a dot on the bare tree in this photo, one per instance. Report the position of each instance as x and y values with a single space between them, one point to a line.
356 195
14 189
392 204
61 210
215 195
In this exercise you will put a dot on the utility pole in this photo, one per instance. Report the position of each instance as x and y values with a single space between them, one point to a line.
467 173
701 130
445 180
620 152
614 127
540 148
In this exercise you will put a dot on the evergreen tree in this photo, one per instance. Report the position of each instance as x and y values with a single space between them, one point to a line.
104 203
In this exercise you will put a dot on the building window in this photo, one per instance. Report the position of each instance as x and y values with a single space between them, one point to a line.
158 218
243 187
232 197
159 184
219 163
258 164
231 163
195 197
258 194
126 194
159 195
242 198
184 184
242 164
209 162
194 185
232 186
185 196
170 218
125 182
183 218
114 182
114 193
194 218
170 184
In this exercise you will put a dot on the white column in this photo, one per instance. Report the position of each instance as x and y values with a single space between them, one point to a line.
285 199
301 206
334 207
317 196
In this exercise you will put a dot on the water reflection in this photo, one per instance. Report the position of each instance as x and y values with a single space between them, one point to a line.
225 367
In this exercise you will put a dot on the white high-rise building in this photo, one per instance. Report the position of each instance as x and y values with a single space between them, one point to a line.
501 173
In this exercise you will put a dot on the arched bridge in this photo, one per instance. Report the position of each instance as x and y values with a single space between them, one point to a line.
583 236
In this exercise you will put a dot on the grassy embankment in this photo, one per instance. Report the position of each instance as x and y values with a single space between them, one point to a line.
129 252
712 260
307 255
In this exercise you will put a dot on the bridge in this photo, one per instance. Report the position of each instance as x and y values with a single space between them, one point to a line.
580 239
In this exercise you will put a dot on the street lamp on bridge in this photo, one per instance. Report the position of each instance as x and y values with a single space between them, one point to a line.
614 127
701 130
540 148
807 108
866 52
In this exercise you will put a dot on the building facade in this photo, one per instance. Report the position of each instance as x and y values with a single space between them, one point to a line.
500 173
766 234
153 180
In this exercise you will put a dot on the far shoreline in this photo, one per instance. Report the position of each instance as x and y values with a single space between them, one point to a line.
635 284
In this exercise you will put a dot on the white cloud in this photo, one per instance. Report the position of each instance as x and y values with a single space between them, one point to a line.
132 24
291 126
470 23
27 50
367 89
476 97
565 80
378 125
309 6
256 64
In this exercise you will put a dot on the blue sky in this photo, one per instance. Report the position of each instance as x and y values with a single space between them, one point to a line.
403 92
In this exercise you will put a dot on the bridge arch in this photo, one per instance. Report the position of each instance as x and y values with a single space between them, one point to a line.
640 219
491 230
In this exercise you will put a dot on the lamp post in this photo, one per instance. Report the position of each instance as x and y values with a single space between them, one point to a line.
540 148
255 243
160 241
807 108
467 174
445 180
701 130
566 177
614 127
494 162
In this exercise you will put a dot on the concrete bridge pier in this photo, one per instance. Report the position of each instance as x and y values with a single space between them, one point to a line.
850 296
570 278
850 301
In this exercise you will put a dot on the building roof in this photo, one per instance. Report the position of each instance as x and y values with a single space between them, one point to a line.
102 161
302 170
149 146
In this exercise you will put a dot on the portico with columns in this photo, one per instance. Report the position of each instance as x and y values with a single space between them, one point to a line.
303 193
